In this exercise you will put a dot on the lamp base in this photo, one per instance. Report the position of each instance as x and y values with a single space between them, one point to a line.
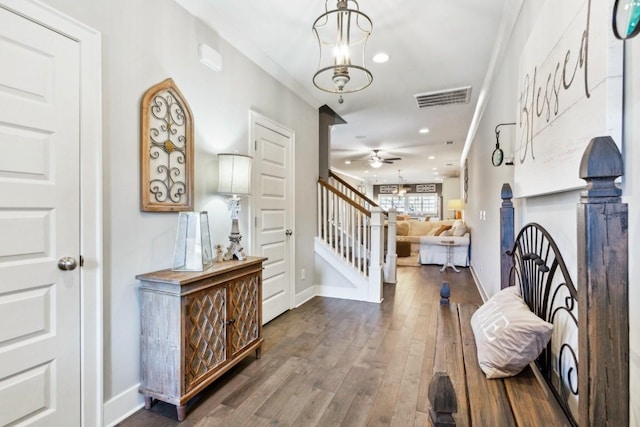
235 250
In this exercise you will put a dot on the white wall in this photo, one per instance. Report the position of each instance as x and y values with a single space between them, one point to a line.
144 42
555 212
450 190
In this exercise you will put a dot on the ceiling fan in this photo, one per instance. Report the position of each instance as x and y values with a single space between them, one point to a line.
376 161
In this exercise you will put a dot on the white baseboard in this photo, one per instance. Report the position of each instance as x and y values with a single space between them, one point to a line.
476 280
122 406
341 292
305 295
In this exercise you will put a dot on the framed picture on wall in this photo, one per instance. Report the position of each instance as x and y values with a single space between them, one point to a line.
570 91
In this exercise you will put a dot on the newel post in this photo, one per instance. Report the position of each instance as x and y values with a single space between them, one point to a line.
374 293
506 234
391 260
603 382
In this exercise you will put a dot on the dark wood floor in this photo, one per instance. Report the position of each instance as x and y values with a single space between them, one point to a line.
334 362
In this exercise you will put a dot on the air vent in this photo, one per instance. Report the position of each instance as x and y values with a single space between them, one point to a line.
444 97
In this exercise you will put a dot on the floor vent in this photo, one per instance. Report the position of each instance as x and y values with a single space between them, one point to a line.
460 95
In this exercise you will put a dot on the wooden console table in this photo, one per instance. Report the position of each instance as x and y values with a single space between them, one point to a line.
195 326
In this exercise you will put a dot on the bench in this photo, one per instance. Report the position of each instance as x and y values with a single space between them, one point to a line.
515 401
591 322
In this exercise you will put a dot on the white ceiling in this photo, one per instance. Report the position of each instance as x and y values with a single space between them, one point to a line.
433 45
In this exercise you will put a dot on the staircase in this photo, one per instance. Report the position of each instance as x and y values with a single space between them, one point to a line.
351 240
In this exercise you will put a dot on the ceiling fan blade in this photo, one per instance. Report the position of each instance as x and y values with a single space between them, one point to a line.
387 161
394 158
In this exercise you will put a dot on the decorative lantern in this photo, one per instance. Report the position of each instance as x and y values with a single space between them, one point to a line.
193 243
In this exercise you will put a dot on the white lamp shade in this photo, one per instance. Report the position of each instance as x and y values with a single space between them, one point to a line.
234 176
455 205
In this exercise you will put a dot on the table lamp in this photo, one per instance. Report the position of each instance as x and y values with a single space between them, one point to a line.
455 205
234 178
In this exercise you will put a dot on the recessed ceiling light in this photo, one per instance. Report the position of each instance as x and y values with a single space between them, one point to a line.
423 130
380 58
366 171
436 173
347 162
431 157
435 169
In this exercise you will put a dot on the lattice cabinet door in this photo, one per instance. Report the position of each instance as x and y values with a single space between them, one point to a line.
195 326
245 324
205 334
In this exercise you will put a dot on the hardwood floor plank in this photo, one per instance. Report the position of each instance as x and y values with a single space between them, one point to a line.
427 363
382 410
405 408
358 382
263 392
314 409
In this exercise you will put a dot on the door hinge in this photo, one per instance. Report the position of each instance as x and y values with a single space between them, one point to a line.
255 144
81 261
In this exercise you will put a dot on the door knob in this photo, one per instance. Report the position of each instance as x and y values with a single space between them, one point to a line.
288 232
67 263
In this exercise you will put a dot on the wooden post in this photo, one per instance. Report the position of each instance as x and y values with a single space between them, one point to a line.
392 257
442 397
507 234
603 281
376 281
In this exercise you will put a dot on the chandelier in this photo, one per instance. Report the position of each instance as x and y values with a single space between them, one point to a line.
342 36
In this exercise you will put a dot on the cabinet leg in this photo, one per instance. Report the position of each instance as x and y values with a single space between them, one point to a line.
148 400
259 352
181 410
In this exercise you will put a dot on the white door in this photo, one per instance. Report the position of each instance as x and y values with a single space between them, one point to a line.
39 224
273 210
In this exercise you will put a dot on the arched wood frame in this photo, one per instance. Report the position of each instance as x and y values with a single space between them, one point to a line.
166 150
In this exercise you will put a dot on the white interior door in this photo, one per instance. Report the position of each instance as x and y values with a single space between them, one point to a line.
273 210
39 224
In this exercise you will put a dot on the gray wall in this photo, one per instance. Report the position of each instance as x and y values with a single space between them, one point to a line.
144 42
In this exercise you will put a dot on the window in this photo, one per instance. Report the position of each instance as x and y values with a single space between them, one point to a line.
388 202
423 204
412 204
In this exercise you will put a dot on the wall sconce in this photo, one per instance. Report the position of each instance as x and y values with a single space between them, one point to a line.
498 155
342 35
456 205
234 178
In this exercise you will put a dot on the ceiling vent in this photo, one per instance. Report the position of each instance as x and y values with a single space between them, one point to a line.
460 95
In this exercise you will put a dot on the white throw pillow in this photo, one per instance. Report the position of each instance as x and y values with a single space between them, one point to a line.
460 230
508 335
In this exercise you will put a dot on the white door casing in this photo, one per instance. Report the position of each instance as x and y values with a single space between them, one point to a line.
50 105
273 213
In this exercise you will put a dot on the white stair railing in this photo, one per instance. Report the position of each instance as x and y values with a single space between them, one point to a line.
356 235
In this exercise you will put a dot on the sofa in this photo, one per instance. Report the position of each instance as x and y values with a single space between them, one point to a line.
427 237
